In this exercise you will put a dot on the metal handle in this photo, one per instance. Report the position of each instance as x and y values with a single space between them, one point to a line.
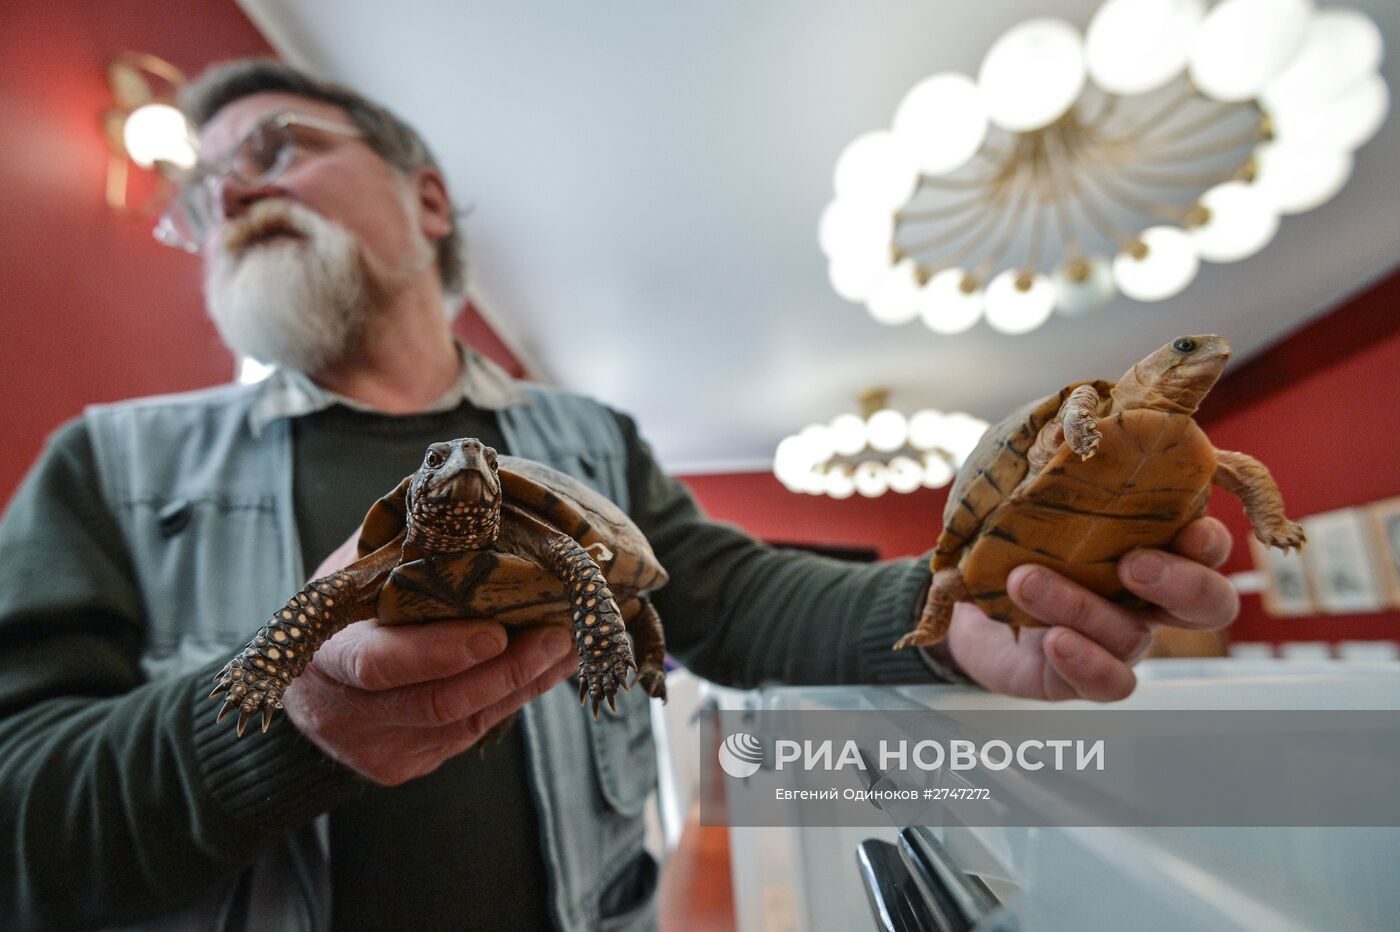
895 899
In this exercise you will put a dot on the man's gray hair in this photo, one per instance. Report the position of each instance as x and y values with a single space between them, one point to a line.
396 142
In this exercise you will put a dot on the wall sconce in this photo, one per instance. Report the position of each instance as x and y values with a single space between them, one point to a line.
144 127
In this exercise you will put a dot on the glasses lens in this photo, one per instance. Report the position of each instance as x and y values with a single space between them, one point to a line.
263 154
186 221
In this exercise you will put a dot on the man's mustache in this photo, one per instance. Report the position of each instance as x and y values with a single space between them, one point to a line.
264 221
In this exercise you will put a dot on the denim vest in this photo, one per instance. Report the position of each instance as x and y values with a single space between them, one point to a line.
206 510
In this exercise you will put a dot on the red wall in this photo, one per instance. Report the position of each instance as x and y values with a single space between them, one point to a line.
1321 408
93 308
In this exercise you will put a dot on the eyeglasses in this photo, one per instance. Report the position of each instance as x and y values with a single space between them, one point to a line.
260 156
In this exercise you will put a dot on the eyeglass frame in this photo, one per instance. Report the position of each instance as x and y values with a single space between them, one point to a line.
165 231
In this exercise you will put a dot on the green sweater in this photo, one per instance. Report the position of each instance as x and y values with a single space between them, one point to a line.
118 801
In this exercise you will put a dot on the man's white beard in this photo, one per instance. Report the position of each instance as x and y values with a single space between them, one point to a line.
301 299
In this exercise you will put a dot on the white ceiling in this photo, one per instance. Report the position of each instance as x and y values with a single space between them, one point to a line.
645 180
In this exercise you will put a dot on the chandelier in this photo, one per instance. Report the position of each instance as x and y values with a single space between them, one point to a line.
1075 168
876 451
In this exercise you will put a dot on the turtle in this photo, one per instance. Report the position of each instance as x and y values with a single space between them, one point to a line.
474 534
1078 479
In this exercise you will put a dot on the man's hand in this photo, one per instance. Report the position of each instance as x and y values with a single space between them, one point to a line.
392 702
1092 644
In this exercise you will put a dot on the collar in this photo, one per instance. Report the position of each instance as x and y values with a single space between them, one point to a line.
287 393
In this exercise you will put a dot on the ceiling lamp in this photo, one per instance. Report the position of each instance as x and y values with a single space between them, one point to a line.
1075 167
144 127
877 451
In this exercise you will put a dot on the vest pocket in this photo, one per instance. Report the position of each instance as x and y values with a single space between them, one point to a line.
623 752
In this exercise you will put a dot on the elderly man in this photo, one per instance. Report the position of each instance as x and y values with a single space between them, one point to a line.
154 536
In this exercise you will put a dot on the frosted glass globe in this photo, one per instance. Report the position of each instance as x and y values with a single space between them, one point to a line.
941 122
1241 222
905 474
937 471
813 482
887 430
893 300
872 479
847 229
1135 46
1166 266
839 483
875 171
791 461
856 277
1032 74
961 433
950 302
1242 45
847 434
818 442
1082 286
1340 47
926 429
158 132
1018 303
1295 177
1345 122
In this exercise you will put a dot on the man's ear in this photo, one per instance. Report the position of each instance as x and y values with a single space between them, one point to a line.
434 206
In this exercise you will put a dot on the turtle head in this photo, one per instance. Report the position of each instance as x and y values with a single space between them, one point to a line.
454 500
1177 376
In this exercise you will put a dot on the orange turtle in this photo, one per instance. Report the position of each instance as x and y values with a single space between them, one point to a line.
1077 480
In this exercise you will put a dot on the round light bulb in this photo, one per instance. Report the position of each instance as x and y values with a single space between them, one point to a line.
1161 264
855 278
1345 122
1032 74
791 461
906 474
854 229
874 170
838 482
961 435
1018 302
1082 286
950 302
1242 45
1136 46
1295 177
941 122
892 301
872 479
847 434
819 443
158 132
812 482
1241 222
926 429
887 430
1340 47
937 471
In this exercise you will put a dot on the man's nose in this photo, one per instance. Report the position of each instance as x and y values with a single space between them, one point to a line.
232 196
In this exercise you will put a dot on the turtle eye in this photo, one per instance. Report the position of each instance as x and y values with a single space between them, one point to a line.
1184 345
491 457
433 460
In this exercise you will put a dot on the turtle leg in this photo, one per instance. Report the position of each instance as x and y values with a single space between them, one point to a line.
946 589
1245 477
254 680
649 641
1079 420
604 655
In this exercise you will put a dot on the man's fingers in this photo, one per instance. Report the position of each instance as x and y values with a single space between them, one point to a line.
373 656
1190 595
1086 667
530 656
471 730
1058 601
1205 540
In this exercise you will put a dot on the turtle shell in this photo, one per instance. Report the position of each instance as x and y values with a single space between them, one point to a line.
512 588
993 471
1150 476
